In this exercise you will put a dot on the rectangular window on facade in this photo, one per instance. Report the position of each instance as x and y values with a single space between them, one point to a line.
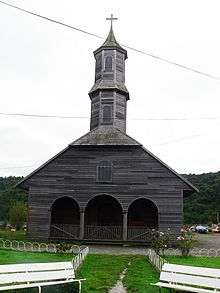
104 171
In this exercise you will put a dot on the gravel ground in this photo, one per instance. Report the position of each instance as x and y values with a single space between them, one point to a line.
205 241
211 240
116 249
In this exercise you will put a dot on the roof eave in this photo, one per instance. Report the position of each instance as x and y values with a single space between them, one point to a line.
21 183
115 47
121 91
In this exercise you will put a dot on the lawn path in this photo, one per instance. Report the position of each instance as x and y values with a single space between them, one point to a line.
119 287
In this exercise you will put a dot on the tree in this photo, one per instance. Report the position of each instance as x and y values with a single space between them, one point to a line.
18 215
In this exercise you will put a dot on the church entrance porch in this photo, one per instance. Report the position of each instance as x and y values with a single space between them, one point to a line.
142 217
65 219
103 219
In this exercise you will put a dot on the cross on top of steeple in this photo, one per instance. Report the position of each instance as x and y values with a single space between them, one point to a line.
110 42
112 18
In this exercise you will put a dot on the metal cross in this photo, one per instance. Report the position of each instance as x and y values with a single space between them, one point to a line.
111 18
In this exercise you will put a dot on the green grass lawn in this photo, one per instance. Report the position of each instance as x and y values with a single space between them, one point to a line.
17 235
102 272
10 257
140 275
199 261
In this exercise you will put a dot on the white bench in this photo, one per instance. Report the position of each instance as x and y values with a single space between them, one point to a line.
18 276
189 278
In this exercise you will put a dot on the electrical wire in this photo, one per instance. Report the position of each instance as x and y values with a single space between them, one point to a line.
17 167
124 45
86 117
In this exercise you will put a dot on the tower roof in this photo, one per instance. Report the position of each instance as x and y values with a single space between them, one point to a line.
111 43
111 40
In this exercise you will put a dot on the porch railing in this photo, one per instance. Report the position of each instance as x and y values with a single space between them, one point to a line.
138 233
103 232
64 231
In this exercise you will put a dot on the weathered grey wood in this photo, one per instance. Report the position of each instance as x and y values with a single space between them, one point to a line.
136 173
74 172
125 226
82 224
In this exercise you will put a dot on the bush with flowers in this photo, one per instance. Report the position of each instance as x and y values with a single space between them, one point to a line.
160 241
185 242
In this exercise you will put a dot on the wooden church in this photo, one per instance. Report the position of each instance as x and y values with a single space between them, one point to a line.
105 186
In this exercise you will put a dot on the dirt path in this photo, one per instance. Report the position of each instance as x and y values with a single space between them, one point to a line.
119 287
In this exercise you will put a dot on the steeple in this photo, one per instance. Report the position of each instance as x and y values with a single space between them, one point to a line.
109 94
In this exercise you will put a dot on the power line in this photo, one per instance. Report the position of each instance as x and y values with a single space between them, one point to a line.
126 46
17 167
43 116
154 145
87 117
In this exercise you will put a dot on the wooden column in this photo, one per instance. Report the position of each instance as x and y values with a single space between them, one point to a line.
82 222
125 225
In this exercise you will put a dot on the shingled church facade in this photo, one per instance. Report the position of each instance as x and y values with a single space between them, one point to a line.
105 186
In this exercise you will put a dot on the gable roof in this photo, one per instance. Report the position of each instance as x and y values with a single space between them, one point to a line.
107 136
173 171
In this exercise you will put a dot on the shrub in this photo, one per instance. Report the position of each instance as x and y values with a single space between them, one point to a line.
186 242
17 215
64 247
160 241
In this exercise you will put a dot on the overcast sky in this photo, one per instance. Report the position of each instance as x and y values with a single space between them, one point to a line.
48 69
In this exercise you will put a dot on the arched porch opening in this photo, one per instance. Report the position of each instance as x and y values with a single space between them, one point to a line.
65 218
103 218
142 217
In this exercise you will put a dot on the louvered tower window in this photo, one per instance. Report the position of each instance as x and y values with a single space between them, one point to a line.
107 114
104 171
99 63
108 63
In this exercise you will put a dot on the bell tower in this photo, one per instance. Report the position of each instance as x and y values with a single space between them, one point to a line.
109 94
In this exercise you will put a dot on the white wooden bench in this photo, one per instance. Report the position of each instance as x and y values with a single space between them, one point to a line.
18 276
189 278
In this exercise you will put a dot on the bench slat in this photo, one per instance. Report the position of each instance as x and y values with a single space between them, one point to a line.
200 271
190 280
35 267
35 276
183 288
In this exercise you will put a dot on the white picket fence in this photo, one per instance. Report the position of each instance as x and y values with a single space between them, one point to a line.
156 260
81 251
35 246
79 258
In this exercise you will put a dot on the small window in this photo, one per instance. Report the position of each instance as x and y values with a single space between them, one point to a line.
108 63
107 114
104 171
